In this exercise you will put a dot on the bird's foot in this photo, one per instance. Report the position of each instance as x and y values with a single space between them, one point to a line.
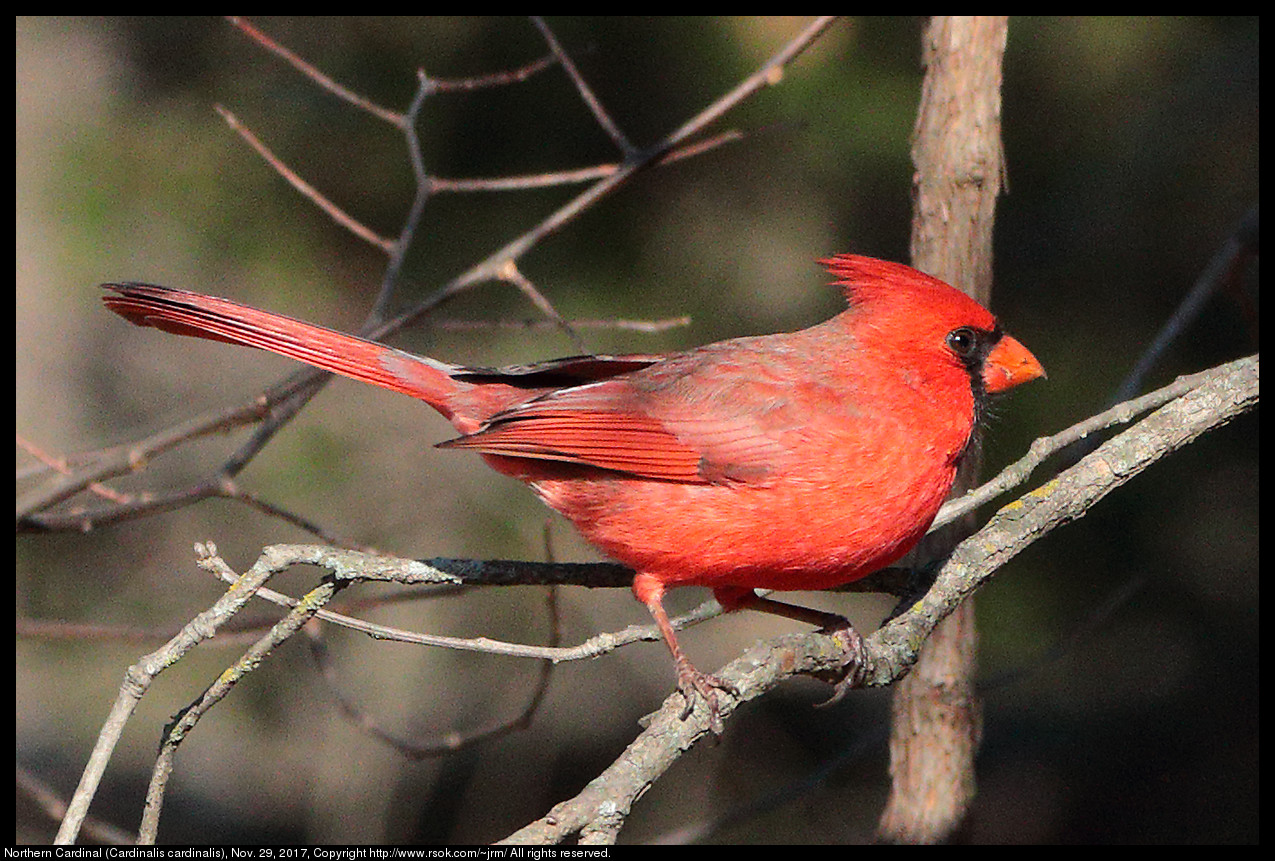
696 685
858 665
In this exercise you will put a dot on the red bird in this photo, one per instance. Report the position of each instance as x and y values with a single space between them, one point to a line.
794 461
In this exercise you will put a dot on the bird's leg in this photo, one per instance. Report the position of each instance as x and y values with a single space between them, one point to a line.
690 681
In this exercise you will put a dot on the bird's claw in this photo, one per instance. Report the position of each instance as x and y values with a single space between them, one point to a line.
696 685
858 666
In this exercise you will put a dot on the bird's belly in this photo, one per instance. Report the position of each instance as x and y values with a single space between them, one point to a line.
789 535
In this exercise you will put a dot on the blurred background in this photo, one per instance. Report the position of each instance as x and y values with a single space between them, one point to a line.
1119 654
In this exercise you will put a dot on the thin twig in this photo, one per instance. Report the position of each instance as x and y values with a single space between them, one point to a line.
52 804
62 467
137 681
1017 472
584 174
582 86
493 79
314 74
125 459
231 490
1241 242
443 572
186 720
398 254
336 213
511 274
452 741
647 326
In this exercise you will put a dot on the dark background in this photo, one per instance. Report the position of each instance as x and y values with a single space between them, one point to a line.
1132 148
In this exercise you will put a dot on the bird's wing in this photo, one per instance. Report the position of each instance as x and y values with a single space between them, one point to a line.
710 416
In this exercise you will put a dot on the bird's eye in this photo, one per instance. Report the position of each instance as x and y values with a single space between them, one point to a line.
963 342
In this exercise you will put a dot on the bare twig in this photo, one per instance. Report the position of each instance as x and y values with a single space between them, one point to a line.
186 720
470 572
125 459
494 79
316 197
62 467
314 74
137 681
50 802
586 92
648 326
452 741
1236 249
511 274
1017 472
568 177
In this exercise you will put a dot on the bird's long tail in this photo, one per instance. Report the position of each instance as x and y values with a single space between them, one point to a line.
185 313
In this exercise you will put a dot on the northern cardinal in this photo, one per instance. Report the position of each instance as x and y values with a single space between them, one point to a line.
793 461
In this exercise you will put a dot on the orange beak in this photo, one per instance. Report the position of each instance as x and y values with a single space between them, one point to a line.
1009 364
